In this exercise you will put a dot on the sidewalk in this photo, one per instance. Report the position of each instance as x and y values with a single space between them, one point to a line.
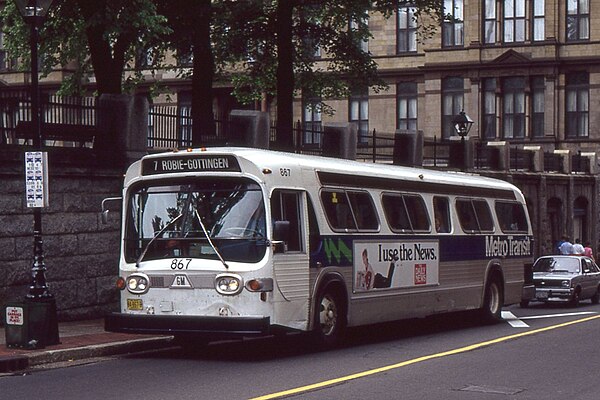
78 340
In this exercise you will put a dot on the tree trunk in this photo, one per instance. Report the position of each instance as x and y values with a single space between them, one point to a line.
285 76
108 63
203 123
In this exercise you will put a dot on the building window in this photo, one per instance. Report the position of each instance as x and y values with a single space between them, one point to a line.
312 127
537 106
578 20
489 24
577 104
407 105
539 32
453 30
358 25
489 109
513 107
514 21
513 17
359 113
407 30
452 103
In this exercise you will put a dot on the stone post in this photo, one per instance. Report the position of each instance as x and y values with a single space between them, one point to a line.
123 128
250 128
408 148
339 140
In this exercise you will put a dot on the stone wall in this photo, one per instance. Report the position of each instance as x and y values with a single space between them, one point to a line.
81 254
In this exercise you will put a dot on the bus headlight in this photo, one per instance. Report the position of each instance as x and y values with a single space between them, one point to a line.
138 283
228 284
566 284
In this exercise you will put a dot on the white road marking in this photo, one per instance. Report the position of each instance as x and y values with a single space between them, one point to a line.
516 322
559 315
513 320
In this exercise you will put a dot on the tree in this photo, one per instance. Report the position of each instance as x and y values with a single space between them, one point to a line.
281 44
190 22
98 36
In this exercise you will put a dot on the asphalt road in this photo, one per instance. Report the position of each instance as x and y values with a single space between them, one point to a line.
542 352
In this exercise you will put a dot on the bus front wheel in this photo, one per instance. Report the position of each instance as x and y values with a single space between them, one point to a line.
493 301
330 318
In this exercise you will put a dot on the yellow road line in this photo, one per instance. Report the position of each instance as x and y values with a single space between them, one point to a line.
464 349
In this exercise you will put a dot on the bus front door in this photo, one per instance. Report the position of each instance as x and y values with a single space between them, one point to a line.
290 259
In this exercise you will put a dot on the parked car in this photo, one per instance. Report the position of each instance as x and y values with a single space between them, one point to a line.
566 278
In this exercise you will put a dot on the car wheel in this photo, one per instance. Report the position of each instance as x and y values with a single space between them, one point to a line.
330 318
596 297
491 312
574 302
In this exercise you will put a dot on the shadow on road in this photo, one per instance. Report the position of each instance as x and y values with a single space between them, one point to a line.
299 344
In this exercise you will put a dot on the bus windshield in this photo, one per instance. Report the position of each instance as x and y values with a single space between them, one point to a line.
201 218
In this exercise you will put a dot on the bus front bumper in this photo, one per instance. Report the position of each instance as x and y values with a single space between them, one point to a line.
218 327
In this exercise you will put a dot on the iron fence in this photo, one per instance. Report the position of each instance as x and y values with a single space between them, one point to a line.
73 121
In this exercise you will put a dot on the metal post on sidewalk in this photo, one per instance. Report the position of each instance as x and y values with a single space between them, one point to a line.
33 323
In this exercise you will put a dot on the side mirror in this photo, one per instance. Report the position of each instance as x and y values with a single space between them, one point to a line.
281 233
106 207
281 230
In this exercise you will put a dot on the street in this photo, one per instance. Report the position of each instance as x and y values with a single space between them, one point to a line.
541 352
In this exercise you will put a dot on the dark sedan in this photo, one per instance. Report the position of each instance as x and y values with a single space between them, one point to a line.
566 278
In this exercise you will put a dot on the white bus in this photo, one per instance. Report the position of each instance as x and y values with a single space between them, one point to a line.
232 242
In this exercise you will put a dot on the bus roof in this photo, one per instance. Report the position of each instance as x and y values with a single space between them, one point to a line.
343 172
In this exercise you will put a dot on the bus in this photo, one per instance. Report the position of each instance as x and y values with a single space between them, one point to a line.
221 243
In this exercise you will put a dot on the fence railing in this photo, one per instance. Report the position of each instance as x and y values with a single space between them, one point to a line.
65 121
70 122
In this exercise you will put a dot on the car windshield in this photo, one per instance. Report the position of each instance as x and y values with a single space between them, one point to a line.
174 220
557 264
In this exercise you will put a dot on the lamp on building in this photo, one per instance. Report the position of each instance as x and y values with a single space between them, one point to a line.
38 312
462 124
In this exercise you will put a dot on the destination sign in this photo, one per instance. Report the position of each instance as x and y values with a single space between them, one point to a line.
189 163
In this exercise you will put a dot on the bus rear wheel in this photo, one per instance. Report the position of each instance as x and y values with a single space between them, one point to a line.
330 318
493 300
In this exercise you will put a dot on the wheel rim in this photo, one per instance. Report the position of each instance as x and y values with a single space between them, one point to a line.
328 315
494 304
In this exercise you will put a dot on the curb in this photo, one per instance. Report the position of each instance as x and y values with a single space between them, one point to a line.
21 362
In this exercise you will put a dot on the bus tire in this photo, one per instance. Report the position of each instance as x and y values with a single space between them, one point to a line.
493 300
329 318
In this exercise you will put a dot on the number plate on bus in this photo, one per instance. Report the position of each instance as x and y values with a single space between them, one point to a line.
181 281
542 295
134 304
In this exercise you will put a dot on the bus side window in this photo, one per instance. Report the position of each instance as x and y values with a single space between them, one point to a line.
511 216
337 209
466 215
364 211
484 215
441 210
395 213
285 206
417 212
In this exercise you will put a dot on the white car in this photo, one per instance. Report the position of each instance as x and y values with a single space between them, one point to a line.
566 278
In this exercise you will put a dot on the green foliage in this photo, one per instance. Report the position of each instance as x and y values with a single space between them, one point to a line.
247 32
67 39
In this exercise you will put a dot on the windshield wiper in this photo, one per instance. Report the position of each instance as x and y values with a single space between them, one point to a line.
215 249
168 225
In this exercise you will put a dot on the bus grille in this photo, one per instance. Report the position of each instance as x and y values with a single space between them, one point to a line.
157 281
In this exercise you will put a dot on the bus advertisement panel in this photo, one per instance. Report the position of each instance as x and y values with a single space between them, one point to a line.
395 264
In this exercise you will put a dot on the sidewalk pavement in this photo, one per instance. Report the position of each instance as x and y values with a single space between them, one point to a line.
78 340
